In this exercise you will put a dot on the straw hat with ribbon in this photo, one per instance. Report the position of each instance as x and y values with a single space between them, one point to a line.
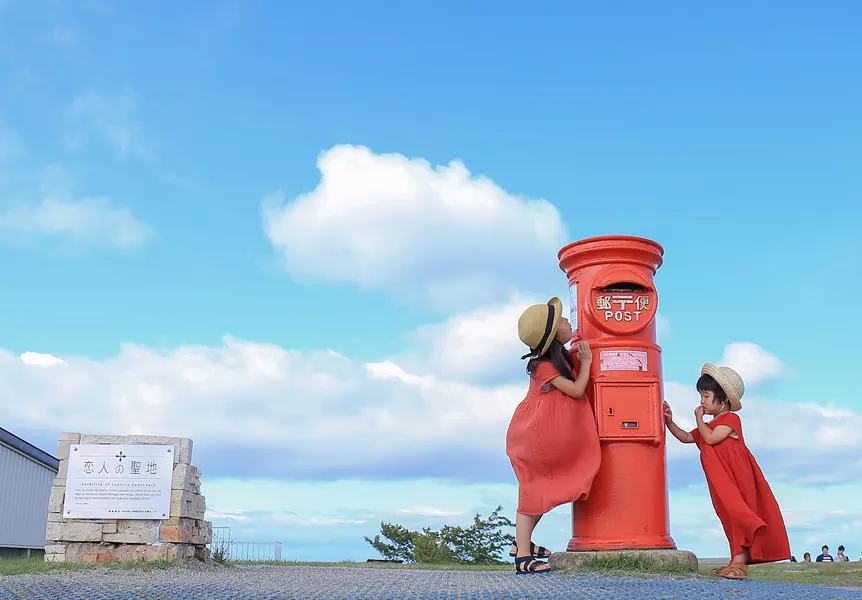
730 382
537 326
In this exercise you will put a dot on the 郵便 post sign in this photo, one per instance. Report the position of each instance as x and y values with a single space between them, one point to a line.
119 482
623 312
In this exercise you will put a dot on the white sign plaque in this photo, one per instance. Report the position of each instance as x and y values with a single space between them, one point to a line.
119 482
623 360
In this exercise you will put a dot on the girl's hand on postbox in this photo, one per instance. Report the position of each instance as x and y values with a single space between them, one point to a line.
668 414
585 354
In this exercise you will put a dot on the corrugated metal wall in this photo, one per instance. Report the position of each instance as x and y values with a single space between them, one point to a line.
25 487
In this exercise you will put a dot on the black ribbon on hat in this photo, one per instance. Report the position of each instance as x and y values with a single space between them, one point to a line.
548 327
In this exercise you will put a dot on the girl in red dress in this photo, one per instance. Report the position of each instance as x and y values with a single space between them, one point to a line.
552 440
741 496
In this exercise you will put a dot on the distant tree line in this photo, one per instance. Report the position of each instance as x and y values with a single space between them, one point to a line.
480 544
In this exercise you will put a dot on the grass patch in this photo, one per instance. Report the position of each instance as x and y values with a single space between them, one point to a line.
22 566
379 565
824 574
631 564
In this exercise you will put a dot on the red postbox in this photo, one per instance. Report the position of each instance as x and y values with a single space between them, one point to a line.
613 306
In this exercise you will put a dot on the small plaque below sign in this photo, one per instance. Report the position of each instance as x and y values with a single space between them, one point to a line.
623 360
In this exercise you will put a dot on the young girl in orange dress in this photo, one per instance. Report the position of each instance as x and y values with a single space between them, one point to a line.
552 440
741 496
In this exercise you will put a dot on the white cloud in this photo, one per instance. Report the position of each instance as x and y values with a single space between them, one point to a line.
318 408
41 360
753 363
95 220
436 234
481 345
336 417
111 116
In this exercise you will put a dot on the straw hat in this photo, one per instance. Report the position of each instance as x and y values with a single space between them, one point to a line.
537 326
730 382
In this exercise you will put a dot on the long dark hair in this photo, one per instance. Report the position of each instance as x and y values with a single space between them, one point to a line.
559 357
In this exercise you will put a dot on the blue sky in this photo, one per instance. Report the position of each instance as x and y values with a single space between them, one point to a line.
306 233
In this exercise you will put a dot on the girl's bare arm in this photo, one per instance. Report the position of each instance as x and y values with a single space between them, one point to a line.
575 388
679 433
713 436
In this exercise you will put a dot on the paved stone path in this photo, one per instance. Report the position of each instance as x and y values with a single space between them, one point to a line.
346 583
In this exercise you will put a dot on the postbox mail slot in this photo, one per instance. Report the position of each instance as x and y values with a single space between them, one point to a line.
624 286
627 410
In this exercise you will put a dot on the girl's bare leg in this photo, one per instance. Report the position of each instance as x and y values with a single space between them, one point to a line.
524 526
532 527
742 558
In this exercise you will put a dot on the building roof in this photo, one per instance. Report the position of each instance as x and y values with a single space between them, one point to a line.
13 441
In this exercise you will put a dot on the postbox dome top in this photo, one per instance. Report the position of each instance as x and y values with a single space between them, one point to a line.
729 380
537 326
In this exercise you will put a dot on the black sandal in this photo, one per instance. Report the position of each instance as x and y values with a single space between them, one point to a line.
537 551
529 565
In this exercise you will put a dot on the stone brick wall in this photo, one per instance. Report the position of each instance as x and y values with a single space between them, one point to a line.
185 534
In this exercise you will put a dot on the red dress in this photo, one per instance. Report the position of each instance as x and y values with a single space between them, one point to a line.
741 496
553 444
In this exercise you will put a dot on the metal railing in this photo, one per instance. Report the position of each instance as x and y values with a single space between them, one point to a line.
243 551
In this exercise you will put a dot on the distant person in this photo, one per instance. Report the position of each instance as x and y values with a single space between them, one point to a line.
552 440
806 557
740 494
793 559
840 557
824 555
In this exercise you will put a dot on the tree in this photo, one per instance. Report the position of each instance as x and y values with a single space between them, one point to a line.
479 544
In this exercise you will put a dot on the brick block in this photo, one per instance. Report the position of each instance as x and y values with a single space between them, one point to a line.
185 477
64 469
78 553
69 436
186 504
72 531
55 500
109 528
63 450
131 531
56 558
180 551
186 531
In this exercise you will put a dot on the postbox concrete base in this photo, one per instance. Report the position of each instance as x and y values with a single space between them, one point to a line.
569 560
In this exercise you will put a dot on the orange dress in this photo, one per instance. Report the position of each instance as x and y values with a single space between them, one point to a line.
741 496
553 444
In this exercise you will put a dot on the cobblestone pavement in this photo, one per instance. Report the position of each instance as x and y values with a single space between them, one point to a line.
346 583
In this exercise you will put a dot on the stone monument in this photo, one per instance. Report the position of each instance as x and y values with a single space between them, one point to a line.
126 498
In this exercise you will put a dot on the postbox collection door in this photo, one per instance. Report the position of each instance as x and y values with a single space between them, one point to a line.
626 411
